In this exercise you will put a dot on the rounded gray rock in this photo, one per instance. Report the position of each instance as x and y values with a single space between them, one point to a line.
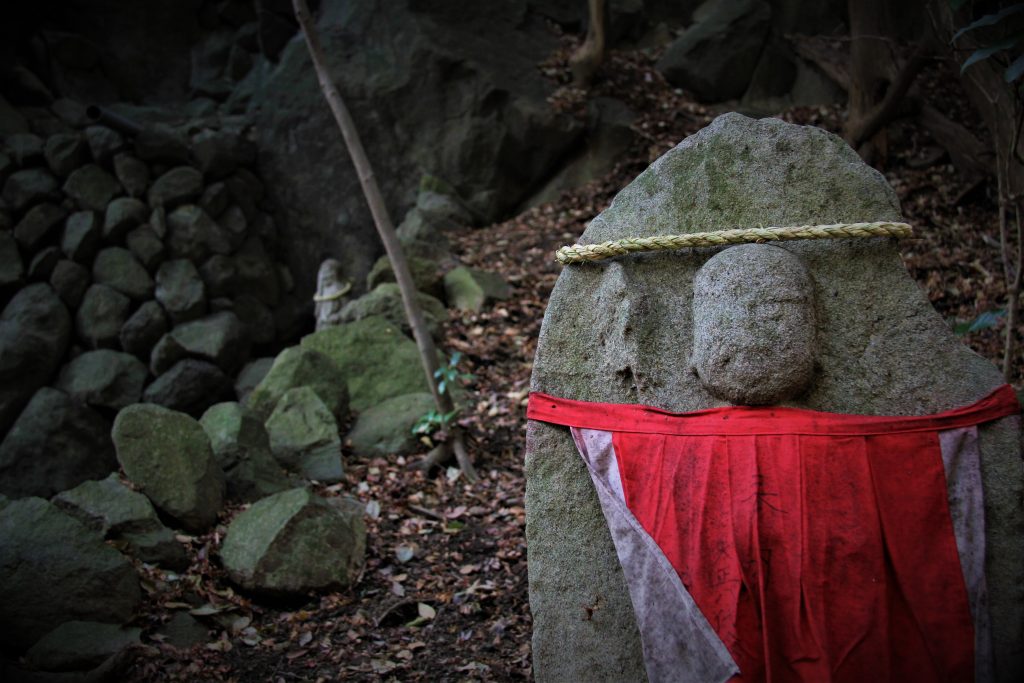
167 454
64 153
117 268
294 542
123 214
34 334
104 378
91 187
180 290
143 329
177 186
190 386
102 314
55 444
54 569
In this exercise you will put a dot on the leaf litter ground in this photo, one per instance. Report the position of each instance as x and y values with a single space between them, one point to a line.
443 596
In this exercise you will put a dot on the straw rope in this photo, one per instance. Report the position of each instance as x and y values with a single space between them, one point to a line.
579 253
321 298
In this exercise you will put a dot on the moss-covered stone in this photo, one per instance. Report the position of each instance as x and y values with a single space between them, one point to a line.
299 366
378 361
386 429
469 289
167 454
241 447
304 436
386 301
294 542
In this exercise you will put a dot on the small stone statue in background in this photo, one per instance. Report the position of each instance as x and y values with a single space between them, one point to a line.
331 293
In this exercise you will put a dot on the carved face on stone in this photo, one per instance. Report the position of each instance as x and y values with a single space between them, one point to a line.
753 325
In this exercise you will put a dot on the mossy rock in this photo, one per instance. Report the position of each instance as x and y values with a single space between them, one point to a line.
377 360
386 301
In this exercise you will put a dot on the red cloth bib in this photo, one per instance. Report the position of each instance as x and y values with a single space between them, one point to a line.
818 546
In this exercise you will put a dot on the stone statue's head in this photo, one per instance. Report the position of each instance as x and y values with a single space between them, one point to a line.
330 273
754 325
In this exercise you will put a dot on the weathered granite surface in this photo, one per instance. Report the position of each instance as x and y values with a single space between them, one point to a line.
621 331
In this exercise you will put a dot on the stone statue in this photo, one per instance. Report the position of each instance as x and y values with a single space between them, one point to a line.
331 293
833 326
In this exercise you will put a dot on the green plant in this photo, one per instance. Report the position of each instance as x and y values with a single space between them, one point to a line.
1013 69
446 375
986 320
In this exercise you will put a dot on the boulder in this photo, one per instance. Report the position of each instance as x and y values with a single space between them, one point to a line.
218 273
426 274
30 186
218 153
12 268
26 148
255 273
304 436
81 238
123 214
80 645
716 57
38 226
167 454
215 199
241 447
377 360
257 318
161 145
177 186
54 569
98 321
104 379
386 301
164 354
126 518
250 376
183 631
43 264
64 153
180 290
103 143
469 289
117 268
294 542
193 235
219 338
55 444
35 329
91 187
132 173
235 225
295 367
70 280
190 386
386 428
622 332
143 329
146 247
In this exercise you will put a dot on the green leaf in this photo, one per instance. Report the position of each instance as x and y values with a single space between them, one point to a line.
956 4
986 320
1015 70
989 19
440 386
986 52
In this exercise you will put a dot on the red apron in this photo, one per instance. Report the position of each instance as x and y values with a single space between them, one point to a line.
815 546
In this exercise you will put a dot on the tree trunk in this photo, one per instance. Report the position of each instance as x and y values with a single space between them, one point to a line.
385 228
870 76
586 60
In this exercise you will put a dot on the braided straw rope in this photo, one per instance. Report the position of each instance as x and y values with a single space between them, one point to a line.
579 253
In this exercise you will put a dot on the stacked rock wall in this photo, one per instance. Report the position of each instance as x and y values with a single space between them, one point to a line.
133 267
